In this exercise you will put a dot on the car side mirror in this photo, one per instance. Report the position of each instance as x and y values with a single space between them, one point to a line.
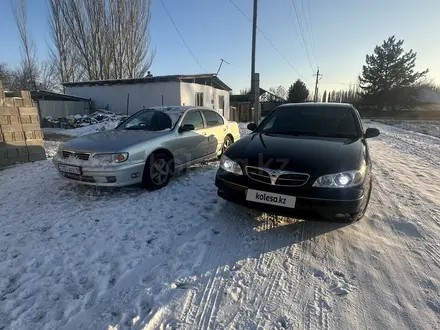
251 126
371 133
186 128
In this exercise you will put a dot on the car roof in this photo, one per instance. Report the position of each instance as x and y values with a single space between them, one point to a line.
177 108
316 104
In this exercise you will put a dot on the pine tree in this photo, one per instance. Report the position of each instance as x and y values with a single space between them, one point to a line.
324 97
389 78
298 92
333 96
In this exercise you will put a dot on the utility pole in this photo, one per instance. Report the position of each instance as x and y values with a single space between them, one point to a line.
255 90
318 78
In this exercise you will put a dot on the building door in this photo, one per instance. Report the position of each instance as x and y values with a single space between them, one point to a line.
221 104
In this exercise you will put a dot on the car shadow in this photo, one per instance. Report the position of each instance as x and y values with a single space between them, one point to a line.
239 236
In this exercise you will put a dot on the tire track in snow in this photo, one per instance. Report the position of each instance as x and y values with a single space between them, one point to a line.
399 224
203 309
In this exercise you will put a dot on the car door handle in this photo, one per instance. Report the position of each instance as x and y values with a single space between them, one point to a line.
224 129
204 133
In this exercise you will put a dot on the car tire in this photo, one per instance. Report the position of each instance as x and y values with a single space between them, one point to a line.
359 215
226 144
157 171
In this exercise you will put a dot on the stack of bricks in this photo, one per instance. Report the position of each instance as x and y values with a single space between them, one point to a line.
21 138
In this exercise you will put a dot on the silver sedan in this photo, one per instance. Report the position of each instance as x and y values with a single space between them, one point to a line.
146 148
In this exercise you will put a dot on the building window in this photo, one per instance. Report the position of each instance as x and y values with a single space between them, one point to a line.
199 99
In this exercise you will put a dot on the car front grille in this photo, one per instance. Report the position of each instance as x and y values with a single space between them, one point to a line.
277 177
77 177
79 155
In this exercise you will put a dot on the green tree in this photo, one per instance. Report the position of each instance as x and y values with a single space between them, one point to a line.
388 78
298 92
324 97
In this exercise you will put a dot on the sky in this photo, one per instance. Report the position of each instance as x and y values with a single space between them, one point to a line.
340 34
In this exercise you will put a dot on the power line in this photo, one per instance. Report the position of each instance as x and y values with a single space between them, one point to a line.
268 40
181 37
335 81
303 39
311 30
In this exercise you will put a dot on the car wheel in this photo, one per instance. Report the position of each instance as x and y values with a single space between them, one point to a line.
359 215
157 171
226 144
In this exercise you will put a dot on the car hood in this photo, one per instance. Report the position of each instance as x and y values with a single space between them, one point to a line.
312 155
110 141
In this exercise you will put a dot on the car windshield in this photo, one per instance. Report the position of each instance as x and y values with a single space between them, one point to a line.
311 121
147 120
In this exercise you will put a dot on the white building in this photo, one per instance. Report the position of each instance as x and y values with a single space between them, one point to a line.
131 95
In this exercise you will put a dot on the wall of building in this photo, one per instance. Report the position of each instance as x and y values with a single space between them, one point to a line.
210 96
57 109
141 95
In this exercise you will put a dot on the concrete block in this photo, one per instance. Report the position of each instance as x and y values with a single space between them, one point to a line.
37 157
28 111
9 116
27 103
29 115
18 160
21 94
12 153
32 131
8 102
34 150
13 144
3 152
18 102
12 133
9 111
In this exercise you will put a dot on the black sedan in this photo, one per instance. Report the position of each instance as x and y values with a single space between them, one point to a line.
304 160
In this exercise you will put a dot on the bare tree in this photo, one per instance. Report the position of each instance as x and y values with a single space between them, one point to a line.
279 93
5 74
27 74
109 39
63 55
48 76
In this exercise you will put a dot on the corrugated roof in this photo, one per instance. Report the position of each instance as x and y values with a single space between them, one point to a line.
209 79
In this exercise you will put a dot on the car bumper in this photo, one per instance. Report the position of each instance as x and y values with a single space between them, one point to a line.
310 202
111 176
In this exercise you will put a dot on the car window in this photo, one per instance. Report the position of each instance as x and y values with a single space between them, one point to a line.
211 118
147 120
312 120
193 118
220 119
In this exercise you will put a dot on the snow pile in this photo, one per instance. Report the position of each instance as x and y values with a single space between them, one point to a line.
76 125
428 127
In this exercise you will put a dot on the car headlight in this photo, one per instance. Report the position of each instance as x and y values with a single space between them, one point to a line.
112 158
341 180
230 166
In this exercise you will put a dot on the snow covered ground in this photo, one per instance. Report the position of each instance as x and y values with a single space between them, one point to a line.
429 127
74 257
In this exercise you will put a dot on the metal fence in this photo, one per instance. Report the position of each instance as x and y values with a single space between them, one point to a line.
58 109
